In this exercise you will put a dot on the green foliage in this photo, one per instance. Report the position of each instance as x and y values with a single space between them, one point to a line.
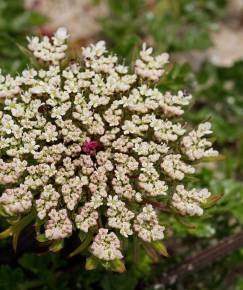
173 25
15 24
10 278
219 94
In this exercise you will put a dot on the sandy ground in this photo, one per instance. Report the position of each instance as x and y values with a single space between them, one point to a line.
227 41
79 16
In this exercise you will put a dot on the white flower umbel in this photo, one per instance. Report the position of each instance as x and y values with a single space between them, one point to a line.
48 199
197 147
9 86
188 202
87 217
17 200
147 225
172 104
106 246
10 172
51 51
150 67
176 168
58 225
119 216
93 145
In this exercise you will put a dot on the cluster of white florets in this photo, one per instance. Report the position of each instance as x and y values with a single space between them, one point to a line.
188 202
50 51
8 86
92 146
106 246
150 67
119 217
17 200
176 168
58 225
147 226
197 147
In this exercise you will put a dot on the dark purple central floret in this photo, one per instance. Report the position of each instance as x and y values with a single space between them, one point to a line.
91 146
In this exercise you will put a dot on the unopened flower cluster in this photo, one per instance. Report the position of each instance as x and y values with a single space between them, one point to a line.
92 145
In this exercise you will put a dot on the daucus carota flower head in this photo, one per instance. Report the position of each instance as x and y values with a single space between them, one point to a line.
92 148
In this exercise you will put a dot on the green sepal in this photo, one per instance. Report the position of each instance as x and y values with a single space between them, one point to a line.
211 201
185 223
3 213
151 252
91 263
118 266
13 220
160 248
41 238
56 246
219 157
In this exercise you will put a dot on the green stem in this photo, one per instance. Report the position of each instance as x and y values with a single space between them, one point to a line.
30 285
83 246
6 233
17 229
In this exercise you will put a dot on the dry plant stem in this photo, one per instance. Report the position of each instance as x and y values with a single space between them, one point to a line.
233 275
159 205
202 259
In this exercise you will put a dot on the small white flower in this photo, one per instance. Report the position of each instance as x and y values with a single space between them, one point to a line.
61 33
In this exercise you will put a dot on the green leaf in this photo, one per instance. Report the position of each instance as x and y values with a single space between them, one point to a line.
10 278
